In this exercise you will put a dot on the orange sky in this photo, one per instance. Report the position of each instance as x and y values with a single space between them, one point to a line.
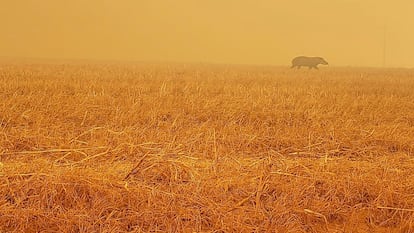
346 32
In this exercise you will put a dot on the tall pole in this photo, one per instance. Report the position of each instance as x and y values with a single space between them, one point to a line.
384 46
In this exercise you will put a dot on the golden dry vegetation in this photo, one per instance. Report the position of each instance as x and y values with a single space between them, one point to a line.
205 148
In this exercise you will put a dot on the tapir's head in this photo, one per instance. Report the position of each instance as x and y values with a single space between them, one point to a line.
322 61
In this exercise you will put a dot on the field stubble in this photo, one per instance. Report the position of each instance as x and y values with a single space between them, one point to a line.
202 148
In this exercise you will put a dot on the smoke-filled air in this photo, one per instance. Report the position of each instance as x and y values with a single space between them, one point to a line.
347 32
207 116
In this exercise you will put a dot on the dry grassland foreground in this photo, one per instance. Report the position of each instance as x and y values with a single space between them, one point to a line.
205 148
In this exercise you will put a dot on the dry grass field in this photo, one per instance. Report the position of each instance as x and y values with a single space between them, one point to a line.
205 148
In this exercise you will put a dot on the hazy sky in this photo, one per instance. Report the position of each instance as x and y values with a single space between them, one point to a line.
345 32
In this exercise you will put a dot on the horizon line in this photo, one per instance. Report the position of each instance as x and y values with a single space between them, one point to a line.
21 59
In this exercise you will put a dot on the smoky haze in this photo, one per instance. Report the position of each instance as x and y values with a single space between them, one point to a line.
345 32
